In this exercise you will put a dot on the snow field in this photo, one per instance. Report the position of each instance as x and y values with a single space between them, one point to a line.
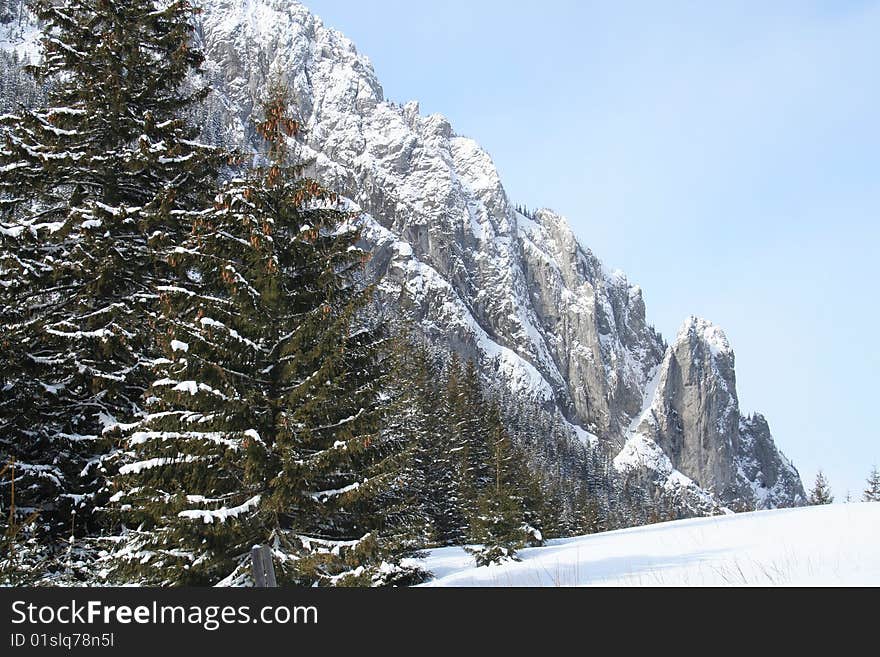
837 545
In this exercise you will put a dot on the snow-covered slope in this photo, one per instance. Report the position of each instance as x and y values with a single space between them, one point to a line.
814 546
19 31
518 294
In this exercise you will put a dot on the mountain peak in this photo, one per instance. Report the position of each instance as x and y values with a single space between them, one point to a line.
519 295
705 332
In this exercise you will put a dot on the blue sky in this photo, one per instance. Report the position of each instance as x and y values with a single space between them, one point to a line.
725 155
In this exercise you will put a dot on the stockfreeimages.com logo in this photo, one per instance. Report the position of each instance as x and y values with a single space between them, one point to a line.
209 617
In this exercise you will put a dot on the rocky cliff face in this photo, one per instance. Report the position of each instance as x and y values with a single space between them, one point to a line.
520 295
692 415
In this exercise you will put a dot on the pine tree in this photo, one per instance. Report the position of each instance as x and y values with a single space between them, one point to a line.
266 411
104 164
872 491
409 425
502 525
413 506
418 416
821 493
530 493
583 514
470 416
441 453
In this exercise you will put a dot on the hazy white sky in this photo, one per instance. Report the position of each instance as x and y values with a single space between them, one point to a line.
725 155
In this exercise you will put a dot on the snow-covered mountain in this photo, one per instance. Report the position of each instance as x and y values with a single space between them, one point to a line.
519 294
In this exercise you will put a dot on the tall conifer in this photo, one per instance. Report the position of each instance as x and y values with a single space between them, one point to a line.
103 166
266 412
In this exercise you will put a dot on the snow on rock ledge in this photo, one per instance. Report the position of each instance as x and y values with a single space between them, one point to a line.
518 294
691 415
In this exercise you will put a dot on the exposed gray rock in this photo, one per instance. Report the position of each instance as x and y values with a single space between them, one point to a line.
693 416
519 294
765 470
